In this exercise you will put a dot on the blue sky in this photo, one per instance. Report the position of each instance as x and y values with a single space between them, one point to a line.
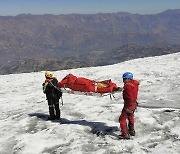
14 7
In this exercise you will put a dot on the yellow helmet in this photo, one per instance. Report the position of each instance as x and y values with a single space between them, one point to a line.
48 74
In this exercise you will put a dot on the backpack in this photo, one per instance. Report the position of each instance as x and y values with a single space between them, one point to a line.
58 92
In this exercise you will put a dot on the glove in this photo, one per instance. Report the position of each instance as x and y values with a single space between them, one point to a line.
44 86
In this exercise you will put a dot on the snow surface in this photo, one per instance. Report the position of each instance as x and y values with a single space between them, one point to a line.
90 124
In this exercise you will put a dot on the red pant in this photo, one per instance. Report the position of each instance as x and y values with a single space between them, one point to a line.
123 124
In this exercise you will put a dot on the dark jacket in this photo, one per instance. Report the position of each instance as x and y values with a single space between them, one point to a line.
49 88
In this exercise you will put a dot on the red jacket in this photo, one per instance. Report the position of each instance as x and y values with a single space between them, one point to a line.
130 94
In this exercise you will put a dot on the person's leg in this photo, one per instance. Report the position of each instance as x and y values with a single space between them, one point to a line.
51 110
123 125
131 124
58 112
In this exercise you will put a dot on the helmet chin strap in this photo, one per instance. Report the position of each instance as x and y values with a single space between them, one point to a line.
47 77
125 80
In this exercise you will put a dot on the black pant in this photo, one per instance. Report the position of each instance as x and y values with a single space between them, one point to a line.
54 110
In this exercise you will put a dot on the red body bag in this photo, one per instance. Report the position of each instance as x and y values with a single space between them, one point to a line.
86 85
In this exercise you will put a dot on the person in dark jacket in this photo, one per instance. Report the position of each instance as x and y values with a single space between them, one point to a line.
52 95
130 94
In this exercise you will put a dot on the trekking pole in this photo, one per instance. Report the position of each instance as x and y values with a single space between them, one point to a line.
111 95
62 101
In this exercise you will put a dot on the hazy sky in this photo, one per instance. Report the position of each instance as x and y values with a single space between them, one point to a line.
14 7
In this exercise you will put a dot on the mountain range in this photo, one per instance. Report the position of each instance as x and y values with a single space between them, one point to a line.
77 40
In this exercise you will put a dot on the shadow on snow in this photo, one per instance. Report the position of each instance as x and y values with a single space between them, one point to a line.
98 128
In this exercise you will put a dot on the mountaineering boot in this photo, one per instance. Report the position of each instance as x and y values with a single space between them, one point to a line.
131 129
132 132
124 136
58 118
51 118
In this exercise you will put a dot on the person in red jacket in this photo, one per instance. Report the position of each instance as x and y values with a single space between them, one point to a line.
130 94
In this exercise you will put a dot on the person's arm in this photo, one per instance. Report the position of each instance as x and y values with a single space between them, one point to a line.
45 84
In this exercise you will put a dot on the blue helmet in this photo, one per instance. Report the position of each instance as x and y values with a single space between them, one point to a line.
127 75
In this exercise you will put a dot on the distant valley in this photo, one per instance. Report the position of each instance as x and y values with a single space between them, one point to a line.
53 42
